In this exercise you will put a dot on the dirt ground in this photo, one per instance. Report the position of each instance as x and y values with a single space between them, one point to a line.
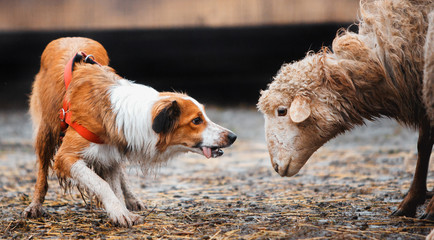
347 190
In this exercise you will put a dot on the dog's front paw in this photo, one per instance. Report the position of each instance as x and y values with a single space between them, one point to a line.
136 219
134 204
33 211
124 218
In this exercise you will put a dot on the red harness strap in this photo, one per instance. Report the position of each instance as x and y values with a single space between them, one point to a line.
65 114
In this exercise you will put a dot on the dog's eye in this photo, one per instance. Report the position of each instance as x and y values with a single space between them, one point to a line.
197 121
281 111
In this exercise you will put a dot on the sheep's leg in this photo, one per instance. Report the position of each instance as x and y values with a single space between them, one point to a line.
429 213
417 193
428 91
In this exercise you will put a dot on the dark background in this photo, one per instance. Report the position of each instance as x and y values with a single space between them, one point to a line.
227 66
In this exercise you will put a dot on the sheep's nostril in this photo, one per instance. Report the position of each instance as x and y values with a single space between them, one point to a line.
276 168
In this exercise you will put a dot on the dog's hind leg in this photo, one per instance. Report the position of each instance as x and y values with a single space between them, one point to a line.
131 200
45 147
44 114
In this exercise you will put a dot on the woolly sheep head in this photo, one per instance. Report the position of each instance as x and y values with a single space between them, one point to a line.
300 113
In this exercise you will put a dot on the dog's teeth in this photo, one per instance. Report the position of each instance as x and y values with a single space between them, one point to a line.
217 153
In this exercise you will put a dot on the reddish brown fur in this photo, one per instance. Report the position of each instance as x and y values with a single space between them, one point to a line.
184 127
68 154
46 100
100 103
89 92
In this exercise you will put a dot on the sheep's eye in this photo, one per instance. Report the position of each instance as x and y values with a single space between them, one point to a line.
197 121
281 111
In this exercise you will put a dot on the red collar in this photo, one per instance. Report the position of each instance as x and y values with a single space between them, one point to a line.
65 114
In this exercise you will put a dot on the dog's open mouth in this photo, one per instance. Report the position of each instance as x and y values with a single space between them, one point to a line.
211 151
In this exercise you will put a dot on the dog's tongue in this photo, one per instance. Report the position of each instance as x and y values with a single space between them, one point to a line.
206 151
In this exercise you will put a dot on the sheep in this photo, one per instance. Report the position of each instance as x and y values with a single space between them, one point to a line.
428 75
374 73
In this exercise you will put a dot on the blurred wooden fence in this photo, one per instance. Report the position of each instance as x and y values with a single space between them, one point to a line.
133 14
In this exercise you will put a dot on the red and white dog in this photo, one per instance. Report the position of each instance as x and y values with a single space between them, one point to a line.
131 122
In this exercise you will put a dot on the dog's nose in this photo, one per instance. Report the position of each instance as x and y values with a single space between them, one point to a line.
232 137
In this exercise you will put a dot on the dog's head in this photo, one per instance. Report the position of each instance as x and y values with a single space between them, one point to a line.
180 120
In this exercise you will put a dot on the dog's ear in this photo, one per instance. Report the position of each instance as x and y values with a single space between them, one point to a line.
166 118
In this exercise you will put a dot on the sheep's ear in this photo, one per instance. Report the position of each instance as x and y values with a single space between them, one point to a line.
300 109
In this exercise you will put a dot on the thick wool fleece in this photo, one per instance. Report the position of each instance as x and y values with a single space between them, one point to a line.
376 72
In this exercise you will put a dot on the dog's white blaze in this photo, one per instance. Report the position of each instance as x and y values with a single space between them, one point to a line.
132 103
198 105
87 178
211 136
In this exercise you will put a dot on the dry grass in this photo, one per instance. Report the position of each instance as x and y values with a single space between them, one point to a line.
342 193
